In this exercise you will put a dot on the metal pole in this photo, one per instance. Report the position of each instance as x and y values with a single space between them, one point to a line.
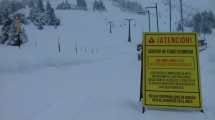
182 19
59 45
129 30
110 25
110 28
170 16
19 41
76 49
156 7
149 20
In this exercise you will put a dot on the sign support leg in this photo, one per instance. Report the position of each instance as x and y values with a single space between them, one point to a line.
141 77
143 109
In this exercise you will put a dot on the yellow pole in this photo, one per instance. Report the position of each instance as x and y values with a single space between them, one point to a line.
18 30
18 26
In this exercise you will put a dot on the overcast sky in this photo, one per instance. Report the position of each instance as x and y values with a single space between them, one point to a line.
210 3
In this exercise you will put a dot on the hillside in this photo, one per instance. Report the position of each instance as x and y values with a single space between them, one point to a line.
96 75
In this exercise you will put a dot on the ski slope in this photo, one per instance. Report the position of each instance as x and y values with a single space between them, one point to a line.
96 75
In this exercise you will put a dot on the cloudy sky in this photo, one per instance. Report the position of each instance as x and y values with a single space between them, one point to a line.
209 3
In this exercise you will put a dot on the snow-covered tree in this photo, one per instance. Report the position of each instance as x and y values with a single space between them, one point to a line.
10 36
51 17
8 8
64 5
4 14
13 36
31 4
11 6
40 17
81 4
130 6
16 5
202 22
22 18
37 17
5 30
99 6
40 5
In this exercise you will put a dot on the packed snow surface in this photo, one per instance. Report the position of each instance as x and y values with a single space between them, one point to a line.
96 76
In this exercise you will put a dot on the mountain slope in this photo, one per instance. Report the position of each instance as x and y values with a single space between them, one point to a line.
95 76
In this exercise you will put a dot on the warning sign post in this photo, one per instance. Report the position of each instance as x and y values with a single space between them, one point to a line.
170 74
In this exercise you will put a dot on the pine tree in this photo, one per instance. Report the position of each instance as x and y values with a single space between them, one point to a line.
9 35
8 8
31 4
40 5
4 15
37 15
37 18
101 4
1 18
48 6
22 18
81 4
203 22
5 30
98 5
44 17
16 39
64 6
95 4
49 13
13 36
51 17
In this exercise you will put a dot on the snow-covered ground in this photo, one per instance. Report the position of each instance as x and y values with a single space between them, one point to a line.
96 75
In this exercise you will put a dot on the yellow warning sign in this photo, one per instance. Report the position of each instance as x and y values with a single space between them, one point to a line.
171 71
